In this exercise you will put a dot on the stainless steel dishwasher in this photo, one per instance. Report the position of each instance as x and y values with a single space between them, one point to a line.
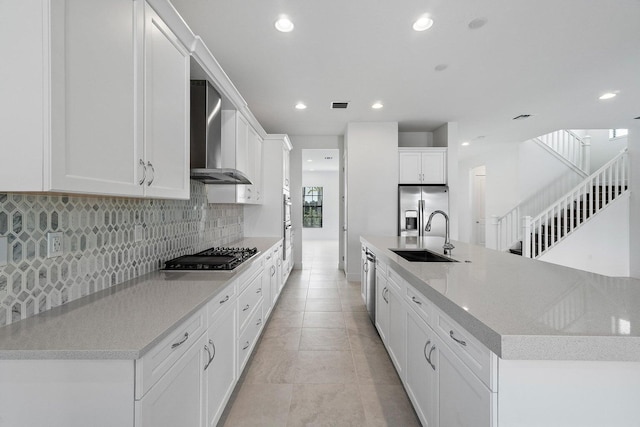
370 284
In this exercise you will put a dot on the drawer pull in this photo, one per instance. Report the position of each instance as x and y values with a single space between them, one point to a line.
416 301
246 307
259 290
225 299
259 322
182 341
385 291
461 342
144 172
246 346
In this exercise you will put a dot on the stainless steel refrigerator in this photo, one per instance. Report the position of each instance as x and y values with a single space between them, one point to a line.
415 204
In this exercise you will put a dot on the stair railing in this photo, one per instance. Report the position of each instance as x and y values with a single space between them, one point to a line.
566 214
508 229
570 146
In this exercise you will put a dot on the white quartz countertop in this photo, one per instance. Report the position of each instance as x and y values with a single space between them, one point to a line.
522 308
124 321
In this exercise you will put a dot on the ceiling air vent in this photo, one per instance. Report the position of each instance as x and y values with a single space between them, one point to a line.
637 118
522 117
339 105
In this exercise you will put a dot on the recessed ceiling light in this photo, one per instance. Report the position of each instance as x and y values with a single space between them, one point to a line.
377 105
464 144
607 95
441 67
312 170
284 24
423 23
309 160
300 106
477 23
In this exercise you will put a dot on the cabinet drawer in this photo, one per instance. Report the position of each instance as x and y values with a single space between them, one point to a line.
420 304
396 281
153 365
248 338
478 358
247 277
222 300
248 300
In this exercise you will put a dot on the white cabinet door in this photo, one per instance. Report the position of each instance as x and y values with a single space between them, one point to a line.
397 330
255 155
220 374
433 165
285 168
463 399
420 377
268 284
94 145
176 399
166 110
382 307
410 168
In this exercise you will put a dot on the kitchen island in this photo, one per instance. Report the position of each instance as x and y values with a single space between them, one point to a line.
530 343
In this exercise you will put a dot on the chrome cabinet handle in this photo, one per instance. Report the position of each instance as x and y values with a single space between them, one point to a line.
259 322
225 299
259 290
433 366
428 357
211 356
182 341
365 267
144 172
246 307
384 291
461 342
246 346
416 301
273 270
268 257
153 171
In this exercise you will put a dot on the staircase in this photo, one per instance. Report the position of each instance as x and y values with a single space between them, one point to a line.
569 148
532 237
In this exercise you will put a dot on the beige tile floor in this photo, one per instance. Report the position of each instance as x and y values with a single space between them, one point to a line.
320 361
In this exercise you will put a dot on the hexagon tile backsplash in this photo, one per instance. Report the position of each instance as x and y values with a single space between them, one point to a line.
98 242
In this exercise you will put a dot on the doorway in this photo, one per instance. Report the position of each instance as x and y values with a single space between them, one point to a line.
320 207
478 195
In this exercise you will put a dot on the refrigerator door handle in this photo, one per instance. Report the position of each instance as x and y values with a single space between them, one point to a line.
420 217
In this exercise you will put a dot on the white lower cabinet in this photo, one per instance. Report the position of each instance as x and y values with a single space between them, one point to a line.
382 307
175 400
420 376
220 367
396 338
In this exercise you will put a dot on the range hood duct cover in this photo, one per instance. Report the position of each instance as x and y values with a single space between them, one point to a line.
206 138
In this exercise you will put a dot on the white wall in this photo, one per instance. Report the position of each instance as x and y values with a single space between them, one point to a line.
600 246
602 148
634 208
301 142
415 139
372 185
330 183
447 136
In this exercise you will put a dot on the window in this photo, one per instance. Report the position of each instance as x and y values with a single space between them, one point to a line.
312 207
617 133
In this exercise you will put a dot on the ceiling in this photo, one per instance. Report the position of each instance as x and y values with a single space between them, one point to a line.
548 58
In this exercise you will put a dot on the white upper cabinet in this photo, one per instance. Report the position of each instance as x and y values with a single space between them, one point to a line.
422 165
286 159
166 110
77 114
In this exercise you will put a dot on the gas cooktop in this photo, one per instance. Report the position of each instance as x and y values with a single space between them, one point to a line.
212 259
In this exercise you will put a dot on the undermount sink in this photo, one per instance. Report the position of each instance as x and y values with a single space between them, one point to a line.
421 255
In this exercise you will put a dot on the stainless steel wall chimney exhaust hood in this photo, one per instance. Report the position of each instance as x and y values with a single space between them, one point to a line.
206 138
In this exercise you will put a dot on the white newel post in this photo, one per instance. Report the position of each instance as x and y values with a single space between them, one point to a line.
526 236
494 241
586 154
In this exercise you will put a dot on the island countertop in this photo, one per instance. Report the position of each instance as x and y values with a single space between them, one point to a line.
123 321
523 308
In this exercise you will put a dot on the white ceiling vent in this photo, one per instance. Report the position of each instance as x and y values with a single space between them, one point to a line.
339 105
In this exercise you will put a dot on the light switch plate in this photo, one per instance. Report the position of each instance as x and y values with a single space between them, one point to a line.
54 244
3 251
138 232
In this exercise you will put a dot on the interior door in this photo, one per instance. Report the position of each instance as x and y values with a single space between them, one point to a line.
478 206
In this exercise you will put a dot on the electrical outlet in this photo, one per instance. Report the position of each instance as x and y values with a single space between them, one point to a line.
138 232
3 251
54 244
